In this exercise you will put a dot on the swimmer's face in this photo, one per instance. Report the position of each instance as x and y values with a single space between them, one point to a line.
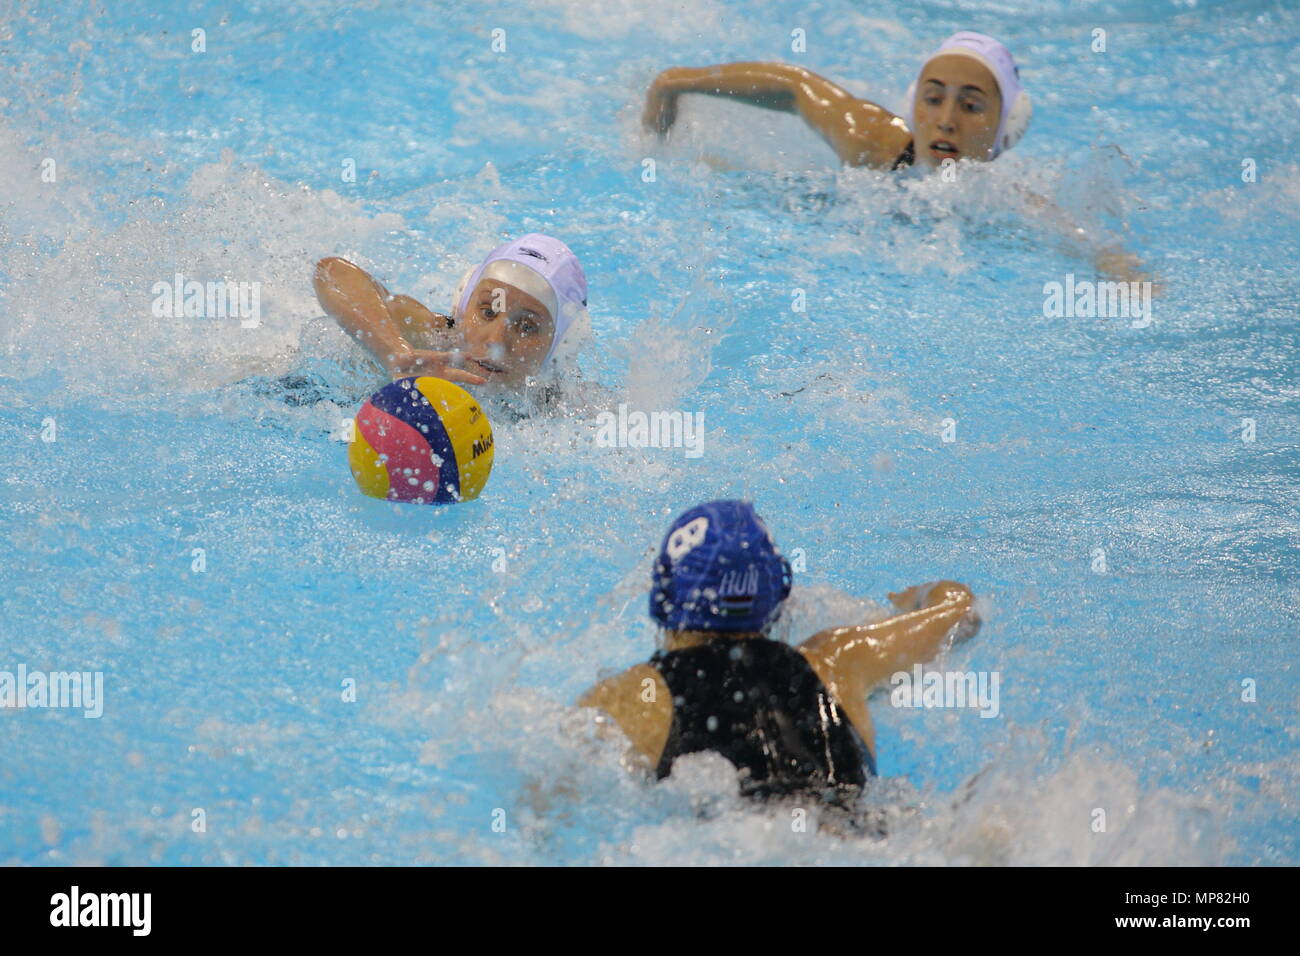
958 106
506 333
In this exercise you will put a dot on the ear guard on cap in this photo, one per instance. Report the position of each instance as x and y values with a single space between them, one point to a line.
787 579
1022 110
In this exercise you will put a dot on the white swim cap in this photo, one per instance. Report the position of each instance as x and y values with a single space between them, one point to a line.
1016 106
541 266
523 278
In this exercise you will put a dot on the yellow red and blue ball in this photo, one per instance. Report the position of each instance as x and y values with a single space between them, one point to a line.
421 440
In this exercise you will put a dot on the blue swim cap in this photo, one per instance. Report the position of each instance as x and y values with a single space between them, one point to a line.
718 570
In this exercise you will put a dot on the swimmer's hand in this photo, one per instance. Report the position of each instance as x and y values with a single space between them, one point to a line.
660 105
424 362
940 594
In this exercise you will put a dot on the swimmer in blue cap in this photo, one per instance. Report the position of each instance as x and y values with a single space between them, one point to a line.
792 720
966 103
516 317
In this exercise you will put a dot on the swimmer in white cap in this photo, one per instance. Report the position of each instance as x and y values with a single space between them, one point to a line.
515 319
965 104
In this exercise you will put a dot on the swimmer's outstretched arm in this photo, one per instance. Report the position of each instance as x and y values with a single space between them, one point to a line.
367 312
860 132
859 658
1108 255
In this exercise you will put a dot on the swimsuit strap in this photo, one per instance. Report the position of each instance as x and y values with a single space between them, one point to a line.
906 158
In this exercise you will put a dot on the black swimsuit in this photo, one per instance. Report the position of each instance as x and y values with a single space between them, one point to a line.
759 703
906 158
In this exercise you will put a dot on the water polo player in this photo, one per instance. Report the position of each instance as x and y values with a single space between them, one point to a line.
965 104
792 720
515 317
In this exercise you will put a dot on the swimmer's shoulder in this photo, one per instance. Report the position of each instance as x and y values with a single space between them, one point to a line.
874 137
641 703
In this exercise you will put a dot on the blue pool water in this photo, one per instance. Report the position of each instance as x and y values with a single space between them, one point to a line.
468 631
